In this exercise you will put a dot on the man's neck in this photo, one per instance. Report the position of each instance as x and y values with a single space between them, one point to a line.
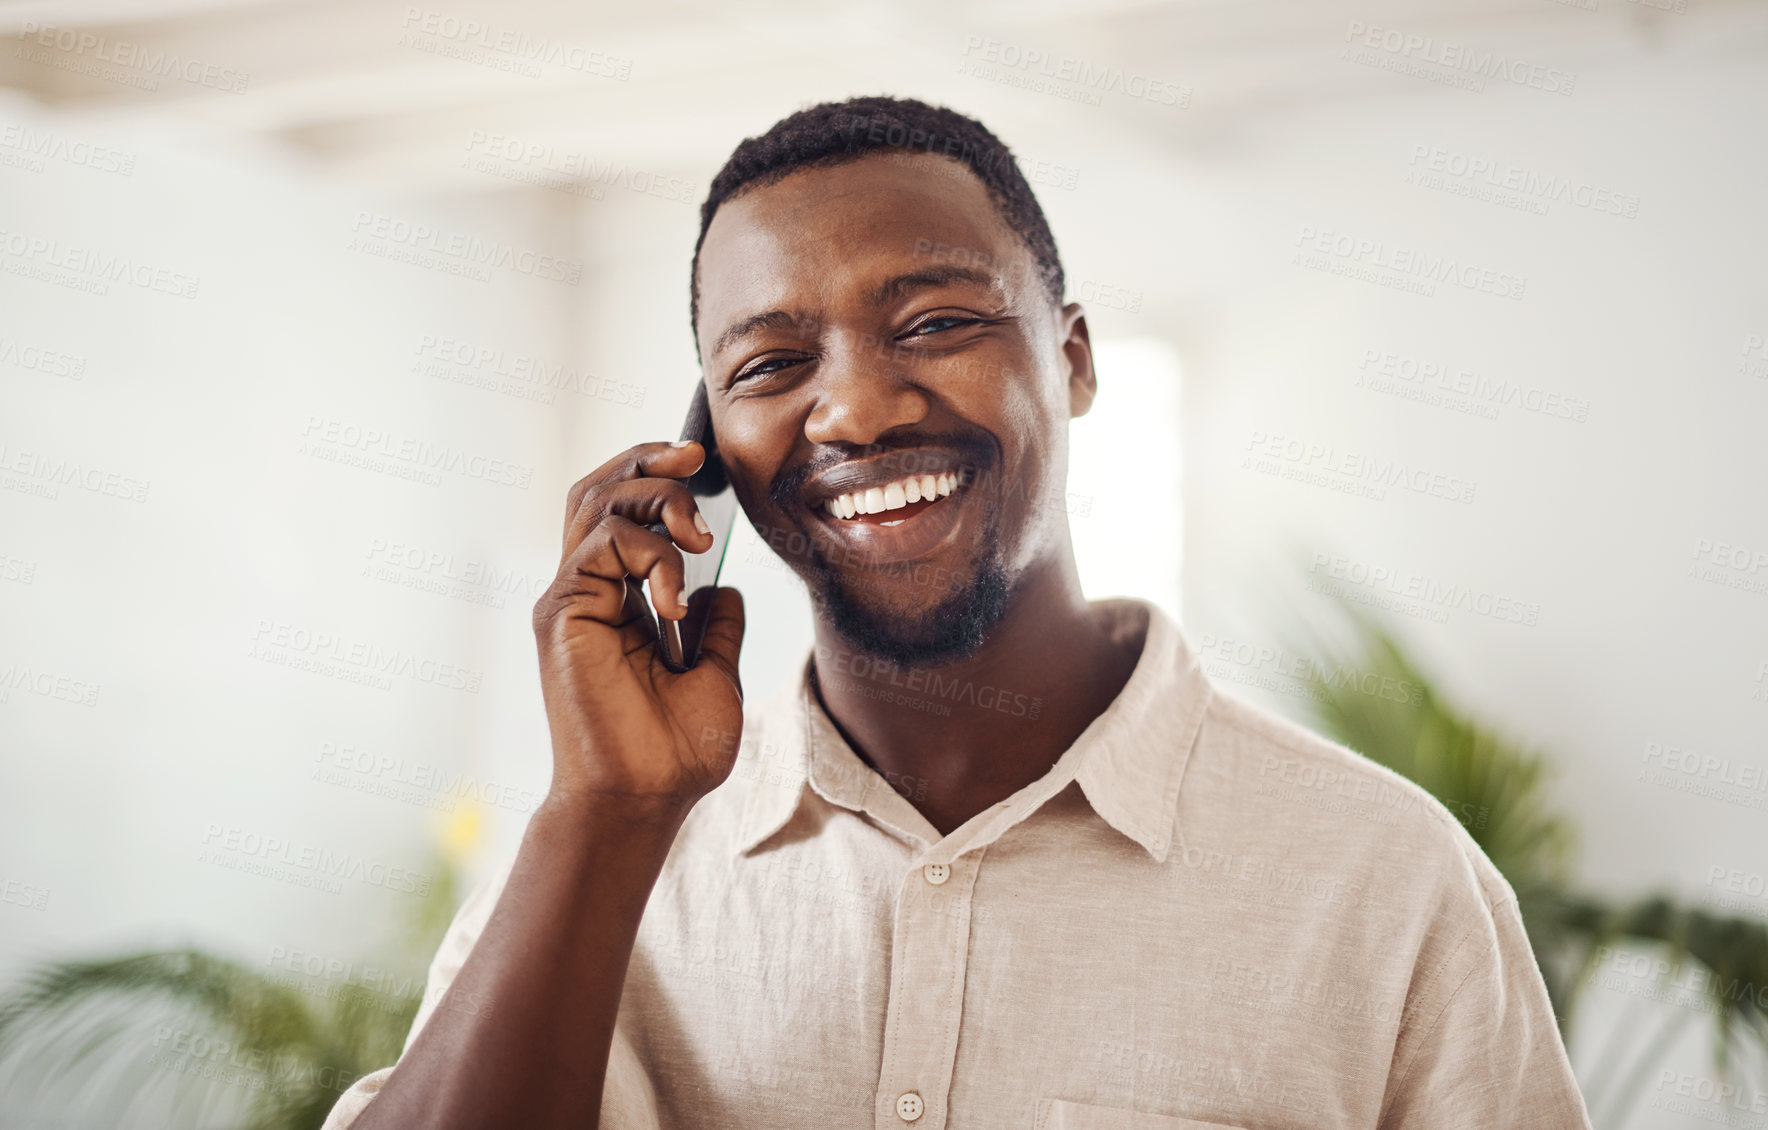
960 737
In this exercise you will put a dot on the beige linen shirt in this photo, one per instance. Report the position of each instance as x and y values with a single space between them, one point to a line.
1202 916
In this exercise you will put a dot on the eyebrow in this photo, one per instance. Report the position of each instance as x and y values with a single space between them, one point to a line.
927 278
890 290
772 320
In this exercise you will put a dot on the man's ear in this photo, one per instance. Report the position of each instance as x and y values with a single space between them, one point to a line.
1077 346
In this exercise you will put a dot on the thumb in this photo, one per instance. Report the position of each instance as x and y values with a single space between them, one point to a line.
723 641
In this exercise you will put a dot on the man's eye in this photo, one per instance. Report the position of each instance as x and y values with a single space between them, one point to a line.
938 325
762 368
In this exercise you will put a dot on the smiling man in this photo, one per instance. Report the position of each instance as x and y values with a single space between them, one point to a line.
1002 857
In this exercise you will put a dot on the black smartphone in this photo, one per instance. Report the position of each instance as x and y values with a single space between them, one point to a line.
678 641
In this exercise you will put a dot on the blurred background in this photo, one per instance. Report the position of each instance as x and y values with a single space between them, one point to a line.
1449 314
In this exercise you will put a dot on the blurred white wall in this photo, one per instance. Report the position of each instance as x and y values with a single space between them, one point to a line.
1605 429
308 495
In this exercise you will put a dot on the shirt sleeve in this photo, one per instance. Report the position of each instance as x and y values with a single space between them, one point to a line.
629 1101
1480 1047
457 943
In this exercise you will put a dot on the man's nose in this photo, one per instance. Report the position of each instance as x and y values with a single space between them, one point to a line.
863 393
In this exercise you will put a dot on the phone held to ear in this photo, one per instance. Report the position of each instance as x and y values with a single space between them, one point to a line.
678 641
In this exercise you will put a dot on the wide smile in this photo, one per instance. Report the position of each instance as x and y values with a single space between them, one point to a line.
903 519
896 502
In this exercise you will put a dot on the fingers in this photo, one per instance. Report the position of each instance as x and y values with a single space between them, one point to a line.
592 580
723 641
646 460
645 501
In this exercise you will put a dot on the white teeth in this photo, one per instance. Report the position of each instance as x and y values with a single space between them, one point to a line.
894 496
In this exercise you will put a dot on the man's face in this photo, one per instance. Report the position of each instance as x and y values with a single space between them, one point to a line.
873 333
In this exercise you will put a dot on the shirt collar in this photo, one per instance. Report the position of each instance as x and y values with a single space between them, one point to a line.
1129 762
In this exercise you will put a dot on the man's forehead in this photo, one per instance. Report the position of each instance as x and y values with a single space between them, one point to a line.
848 228
881 187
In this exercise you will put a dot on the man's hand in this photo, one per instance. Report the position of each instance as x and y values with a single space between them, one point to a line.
629 762
624 727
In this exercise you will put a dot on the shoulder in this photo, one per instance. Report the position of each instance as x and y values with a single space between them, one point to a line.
1274 787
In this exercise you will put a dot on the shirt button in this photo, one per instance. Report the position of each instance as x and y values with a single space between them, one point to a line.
937 873
909 1106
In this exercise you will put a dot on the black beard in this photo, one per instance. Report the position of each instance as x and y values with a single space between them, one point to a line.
954 628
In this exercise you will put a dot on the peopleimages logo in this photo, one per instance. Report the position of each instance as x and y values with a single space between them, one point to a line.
51 361
1527 183
238 849
918 682
570 165
88 45
1454 57
292 645
35 146
1482 391
87 268
1221 657
473 39
1092 77
1706 767
1357 467
327 437
375 229
365 771
1324 247
501 370
49 684
1730 555
1428 590
34 472
442 572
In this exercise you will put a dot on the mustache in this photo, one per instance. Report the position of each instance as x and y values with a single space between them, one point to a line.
977 449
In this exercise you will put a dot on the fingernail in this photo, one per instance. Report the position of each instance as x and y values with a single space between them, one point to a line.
700 523
681 598
680 442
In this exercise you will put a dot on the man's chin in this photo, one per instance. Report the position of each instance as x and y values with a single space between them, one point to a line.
916 627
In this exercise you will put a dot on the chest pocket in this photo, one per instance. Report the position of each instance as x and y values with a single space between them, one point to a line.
1060 1114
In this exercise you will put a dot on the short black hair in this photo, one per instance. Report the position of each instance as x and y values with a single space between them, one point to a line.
833 133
